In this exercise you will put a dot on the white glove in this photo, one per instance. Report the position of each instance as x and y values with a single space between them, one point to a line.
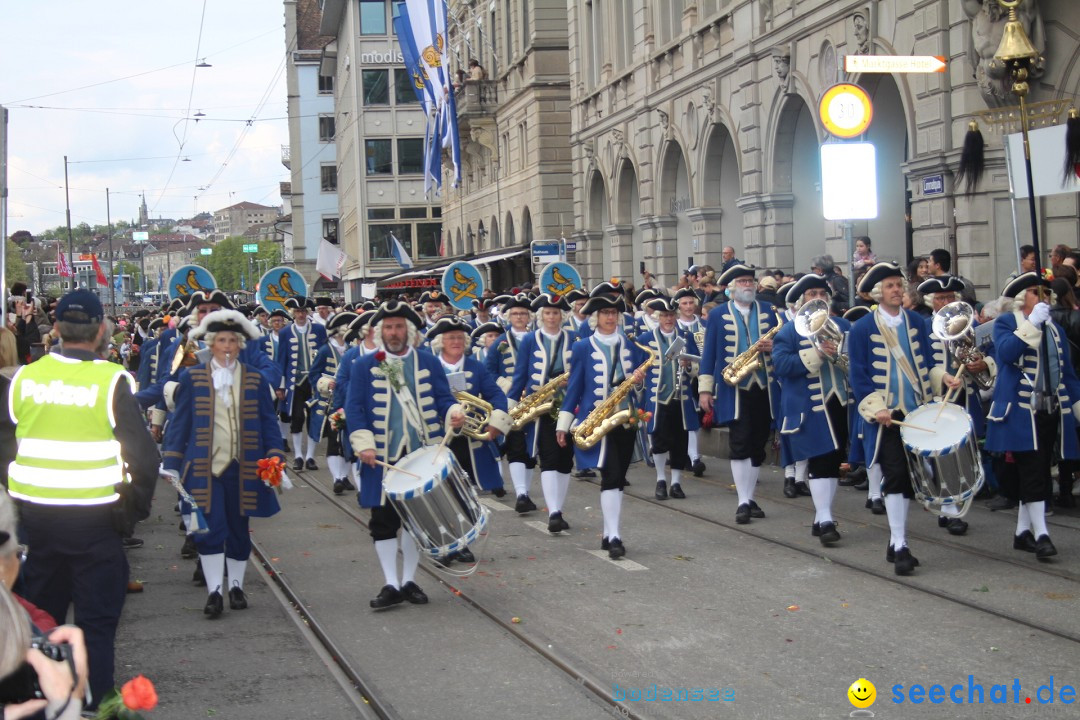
1039 314
286 483
162 472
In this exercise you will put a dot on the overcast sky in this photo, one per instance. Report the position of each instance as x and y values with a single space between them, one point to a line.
147 49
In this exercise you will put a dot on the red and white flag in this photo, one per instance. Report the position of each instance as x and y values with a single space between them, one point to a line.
62 267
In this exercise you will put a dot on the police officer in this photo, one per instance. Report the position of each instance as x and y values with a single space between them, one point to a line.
80 431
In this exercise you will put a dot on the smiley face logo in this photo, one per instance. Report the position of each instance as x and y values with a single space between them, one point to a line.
862 693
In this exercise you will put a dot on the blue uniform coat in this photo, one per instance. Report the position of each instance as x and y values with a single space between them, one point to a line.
531 371
721 348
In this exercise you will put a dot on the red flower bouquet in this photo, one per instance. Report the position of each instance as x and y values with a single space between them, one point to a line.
337 420
639 416
270 471
137 694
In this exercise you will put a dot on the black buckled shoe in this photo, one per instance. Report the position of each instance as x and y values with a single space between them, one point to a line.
677 491
755 511
499 492
616 549
215 605
955 525
388 596
853 478
789 487
237 599
339 487
524 504
828 533
699 468
189 551
556 523
863 484
347 483
605 544
197 577
890 556
661 490
815 530
905 563
585 474
298 464
802 489
877 506
130 543
742 514
311 464
412 592
1044 548
1024 541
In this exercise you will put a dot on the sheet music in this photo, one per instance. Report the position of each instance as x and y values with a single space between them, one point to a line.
457 381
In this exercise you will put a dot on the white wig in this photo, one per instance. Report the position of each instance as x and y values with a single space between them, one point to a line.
413 340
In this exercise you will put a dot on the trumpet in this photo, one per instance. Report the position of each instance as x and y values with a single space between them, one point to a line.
955 325
477 415
813 322
748 361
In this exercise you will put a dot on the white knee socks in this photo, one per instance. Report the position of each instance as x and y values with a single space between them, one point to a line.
660 460
676 477
874 477
410 558
519 475
236 570
298 445
741 472
692 446
821 490
549 482
312 444
896 508
611 505
563 482
802 471
387 552
1023 520
1037 514
213 567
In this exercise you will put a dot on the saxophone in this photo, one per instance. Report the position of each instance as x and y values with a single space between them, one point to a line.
539 403
604 418
748 361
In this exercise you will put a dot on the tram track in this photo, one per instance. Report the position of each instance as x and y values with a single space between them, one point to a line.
838 560
370 693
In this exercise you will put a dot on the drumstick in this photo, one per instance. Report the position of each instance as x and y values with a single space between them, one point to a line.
388 466
950 394
920 428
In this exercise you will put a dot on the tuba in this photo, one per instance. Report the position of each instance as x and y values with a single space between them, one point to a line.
539 403
954 325
748 361
814 323
604 418
477 414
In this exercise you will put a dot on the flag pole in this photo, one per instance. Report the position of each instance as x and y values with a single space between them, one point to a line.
112 281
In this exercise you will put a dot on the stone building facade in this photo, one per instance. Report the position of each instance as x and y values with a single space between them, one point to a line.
694 126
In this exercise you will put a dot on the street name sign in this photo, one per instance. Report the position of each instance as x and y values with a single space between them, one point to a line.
894 64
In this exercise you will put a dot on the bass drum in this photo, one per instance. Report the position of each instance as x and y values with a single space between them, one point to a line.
943 458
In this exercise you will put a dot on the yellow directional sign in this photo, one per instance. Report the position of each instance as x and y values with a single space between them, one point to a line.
894 64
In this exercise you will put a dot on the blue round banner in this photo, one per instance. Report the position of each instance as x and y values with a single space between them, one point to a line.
278 285
559 278
189 278
463 283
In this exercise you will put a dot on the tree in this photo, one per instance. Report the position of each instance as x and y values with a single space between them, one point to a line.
15 265
229 261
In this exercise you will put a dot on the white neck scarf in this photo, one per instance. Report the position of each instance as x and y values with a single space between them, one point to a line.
222 376
607 339
893 321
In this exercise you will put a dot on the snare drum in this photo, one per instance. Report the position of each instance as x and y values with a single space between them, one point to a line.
436 501
943 457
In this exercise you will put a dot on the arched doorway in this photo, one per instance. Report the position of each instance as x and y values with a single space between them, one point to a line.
596 221
673 201
797 171
526 228
721 189
511 241
626 260
458 244
889 232
482 240
470 239
496 241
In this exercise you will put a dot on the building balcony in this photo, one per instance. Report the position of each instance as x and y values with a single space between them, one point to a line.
477 99
286 156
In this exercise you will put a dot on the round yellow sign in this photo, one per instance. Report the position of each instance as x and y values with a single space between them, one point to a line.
845 110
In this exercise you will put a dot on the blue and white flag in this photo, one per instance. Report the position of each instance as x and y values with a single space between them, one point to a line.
118 283
416 70
398 251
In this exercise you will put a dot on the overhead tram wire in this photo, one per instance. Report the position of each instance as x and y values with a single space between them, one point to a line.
191 94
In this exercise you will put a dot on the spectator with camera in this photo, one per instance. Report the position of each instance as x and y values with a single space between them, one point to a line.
22 320
42 667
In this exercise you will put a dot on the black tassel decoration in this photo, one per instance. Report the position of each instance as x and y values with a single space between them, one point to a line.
972 159
1072 146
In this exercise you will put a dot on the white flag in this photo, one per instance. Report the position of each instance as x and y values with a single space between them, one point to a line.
330 261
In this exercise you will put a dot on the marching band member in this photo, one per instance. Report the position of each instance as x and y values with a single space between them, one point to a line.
795 471
748 408
275 322
815 401
261 317
644 319
324 311
940 291
322 377
892 374
359 341
690 321
500 364
1036 404
230 403
543 355
435 304
856 450
483 340
599 365
479 458
575 319
151 354
398 400
481 313
297 346
668 397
